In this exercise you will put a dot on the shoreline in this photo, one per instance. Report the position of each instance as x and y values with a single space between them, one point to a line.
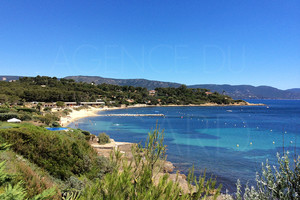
93 111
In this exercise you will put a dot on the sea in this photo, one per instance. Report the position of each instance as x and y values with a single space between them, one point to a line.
229 142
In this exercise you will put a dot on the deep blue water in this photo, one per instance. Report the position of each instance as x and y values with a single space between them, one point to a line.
229 142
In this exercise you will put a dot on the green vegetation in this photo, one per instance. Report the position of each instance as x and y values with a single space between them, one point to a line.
103 138
11 189
47 89
62 154
282 183
44 164
137 178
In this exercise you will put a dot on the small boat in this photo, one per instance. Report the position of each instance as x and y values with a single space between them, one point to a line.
228 110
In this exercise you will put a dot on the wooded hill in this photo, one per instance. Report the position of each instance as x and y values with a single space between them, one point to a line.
47 89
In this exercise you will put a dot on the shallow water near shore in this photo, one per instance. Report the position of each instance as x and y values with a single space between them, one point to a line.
229 142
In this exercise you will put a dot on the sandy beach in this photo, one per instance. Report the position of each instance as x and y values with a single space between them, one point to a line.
93 111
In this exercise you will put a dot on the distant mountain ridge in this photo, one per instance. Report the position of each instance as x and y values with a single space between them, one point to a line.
250 92
235 91
149 84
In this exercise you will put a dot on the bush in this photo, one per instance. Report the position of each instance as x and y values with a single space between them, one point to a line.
136 179
60 104
55 124
47 109
30 110
25 117
103 138
282 183
16 191
48 118
86 133
62 155
4 110
7 116
67 111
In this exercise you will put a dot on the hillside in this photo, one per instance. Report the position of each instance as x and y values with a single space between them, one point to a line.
251 92
235 91
149 84
294 90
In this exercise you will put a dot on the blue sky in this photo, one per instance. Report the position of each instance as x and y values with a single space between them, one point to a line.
191 42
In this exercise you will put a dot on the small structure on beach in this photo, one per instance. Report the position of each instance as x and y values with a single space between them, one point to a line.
14 120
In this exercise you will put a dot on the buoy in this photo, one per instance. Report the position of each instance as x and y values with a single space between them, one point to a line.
250 143
271 130
237 145
291 142
285 132
244 126
273 142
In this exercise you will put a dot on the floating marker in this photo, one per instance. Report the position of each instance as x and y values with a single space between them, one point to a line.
291 142
271 130
250 143
273 142
285 132
244 126
237 145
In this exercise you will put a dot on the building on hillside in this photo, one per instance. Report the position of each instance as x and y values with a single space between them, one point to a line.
50 105
3 78
208 93
130 100
152 92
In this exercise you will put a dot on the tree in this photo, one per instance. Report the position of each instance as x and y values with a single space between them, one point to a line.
60 104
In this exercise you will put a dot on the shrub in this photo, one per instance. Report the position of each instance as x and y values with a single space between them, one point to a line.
4 110
7 116
62 155
55 124
16 191
103 138
136 179
25 117
30 110
60 104
67 111
48 118
47 109
282 183
86 133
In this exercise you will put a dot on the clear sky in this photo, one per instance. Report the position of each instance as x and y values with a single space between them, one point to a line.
192 42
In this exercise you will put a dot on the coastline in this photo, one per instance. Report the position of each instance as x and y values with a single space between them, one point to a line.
93 111
124 147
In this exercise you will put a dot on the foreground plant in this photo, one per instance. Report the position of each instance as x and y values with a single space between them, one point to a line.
282 183
16 191
141 177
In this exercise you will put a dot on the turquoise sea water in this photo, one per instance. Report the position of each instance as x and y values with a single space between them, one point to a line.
229 142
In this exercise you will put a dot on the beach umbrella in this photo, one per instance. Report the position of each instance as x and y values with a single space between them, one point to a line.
14 120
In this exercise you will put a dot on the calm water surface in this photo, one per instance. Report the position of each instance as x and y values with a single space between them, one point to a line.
229 142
